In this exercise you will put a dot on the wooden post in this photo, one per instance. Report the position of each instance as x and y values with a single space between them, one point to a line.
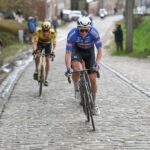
129 25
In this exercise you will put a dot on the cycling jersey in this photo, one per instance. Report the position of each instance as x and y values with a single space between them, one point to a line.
83 43
51 38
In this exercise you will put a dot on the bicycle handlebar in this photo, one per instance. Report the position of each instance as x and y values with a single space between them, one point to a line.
52 56
69 80
97 72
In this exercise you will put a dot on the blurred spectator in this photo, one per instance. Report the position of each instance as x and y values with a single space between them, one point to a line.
61 15
118 33
115 11
32 24
55 23
19 16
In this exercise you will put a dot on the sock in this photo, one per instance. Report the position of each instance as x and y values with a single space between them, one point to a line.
36 68
94 98
46 75
76 85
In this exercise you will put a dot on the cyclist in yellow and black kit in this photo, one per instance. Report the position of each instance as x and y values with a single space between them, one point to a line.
44 37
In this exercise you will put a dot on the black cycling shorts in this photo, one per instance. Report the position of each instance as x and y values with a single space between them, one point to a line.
46 46
86 55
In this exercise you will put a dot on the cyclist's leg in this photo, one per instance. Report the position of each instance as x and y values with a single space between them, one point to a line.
76 66
47 51
92 77
89 60
37 59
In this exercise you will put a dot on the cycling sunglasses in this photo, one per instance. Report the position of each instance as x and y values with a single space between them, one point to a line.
84 30
45 30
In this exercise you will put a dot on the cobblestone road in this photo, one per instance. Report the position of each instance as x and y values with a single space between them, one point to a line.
56 121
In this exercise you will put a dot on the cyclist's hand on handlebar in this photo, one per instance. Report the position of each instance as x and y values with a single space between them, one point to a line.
33 52
96 66
68 72
52 54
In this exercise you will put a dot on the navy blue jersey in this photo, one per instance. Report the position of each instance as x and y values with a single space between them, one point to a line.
83 43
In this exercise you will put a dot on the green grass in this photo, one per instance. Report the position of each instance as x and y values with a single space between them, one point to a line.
11 51
9 31
9 35
8 38
141 41
12 26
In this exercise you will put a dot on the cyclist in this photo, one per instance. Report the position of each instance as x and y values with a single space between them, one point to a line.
44 37
80 46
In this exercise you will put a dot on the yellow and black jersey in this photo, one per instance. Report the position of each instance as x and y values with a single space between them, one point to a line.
39 37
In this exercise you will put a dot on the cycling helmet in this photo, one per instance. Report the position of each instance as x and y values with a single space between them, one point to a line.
46 25
30 18
84 22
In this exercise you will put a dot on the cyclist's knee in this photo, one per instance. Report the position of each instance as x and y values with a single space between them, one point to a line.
47 59
76 65
92 78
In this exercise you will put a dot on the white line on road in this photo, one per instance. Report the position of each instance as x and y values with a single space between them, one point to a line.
132 84
61 39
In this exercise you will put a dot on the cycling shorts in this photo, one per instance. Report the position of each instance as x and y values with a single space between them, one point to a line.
86 55
46 46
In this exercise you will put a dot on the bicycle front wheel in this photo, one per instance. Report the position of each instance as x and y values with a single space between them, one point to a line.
41 82
89 108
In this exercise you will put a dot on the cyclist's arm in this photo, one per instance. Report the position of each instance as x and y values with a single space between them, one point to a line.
53 39
98 45
99 55
69 47
68 59
54 43
35 41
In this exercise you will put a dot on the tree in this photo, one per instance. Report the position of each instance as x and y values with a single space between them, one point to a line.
129 25
27 7
10 4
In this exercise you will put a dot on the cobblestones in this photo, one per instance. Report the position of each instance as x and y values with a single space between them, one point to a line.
56 120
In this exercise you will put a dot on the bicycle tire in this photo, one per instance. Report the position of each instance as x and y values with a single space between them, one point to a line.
41 82
89 99
83 99
92 119
89 88
89 108
85 108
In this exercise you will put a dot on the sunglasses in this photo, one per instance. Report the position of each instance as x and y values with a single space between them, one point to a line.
45 30
83 30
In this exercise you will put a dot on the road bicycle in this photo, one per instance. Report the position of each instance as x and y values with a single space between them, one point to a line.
86 94
42 69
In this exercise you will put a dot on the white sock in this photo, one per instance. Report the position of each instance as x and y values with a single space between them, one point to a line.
76 85
94 98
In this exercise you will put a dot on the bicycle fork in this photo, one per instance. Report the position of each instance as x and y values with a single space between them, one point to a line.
41 69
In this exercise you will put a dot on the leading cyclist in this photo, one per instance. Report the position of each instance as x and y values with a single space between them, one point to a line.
80 46
44 37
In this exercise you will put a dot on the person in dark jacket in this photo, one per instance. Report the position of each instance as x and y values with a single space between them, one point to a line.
55 23
118 37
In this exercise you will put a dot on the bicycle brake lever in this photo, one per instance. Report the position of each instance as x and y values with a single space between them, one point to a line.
98 74
69 80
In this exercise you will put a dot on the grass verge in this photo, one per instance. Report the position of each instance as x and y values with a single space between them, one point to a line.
141 44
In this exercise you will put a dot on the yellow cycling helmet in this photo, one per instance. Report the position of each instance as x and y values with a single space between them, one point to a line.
46 25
